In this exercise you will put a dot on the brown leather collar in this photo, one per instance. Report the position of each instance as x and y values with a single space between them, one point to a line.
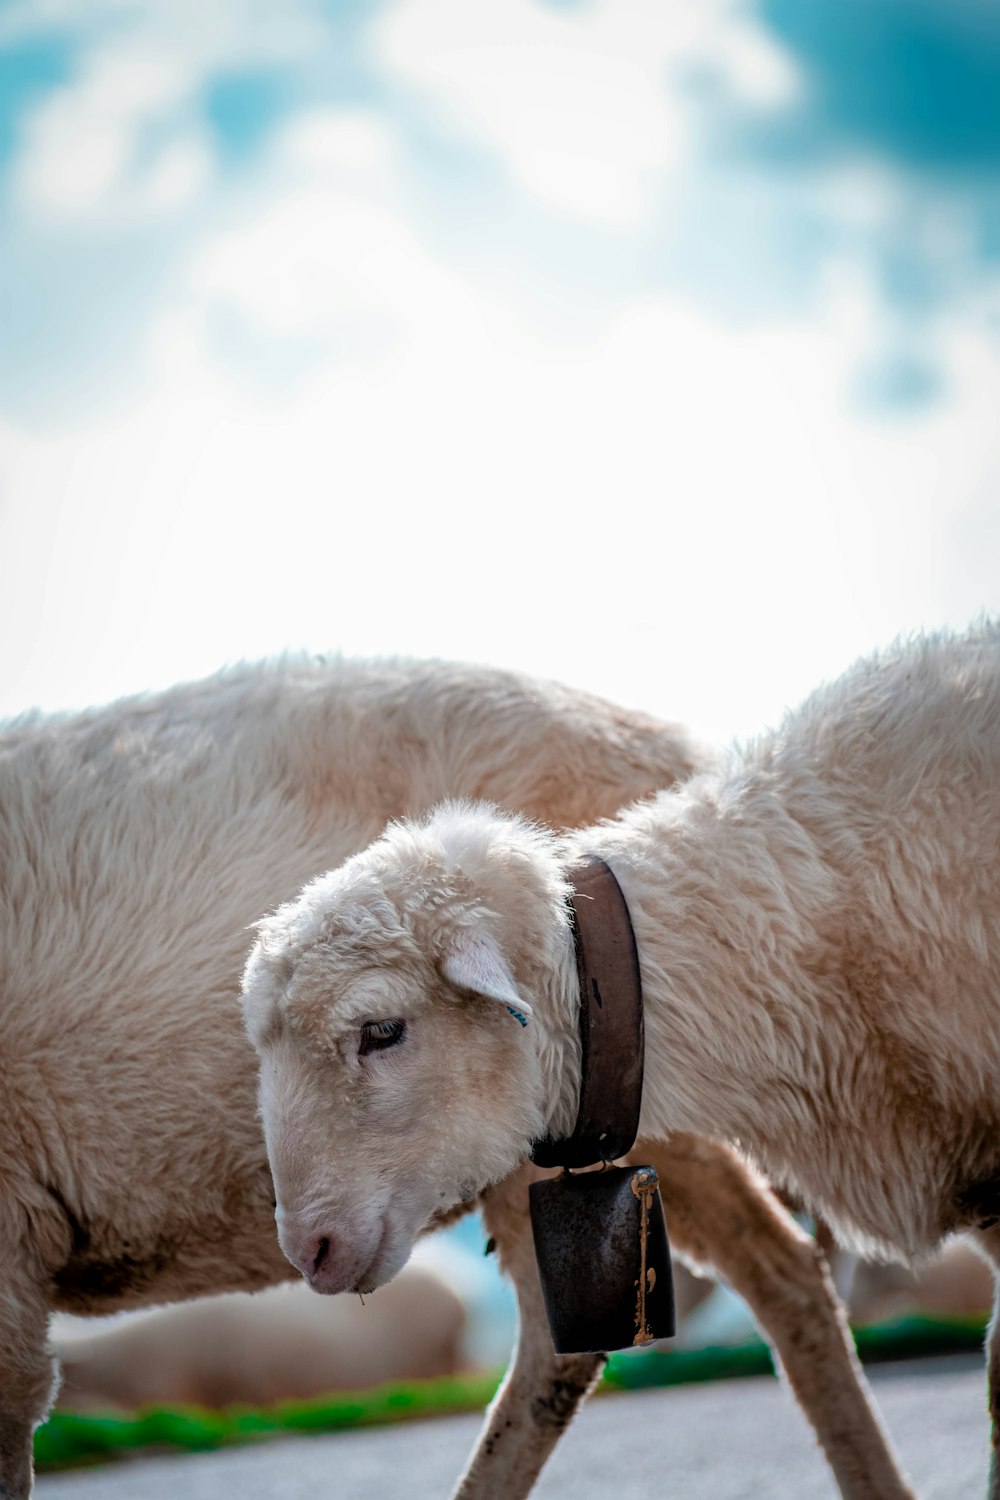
611 1025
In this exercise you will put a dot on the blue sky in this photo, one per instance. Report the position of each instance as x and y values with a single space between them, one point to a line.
464 330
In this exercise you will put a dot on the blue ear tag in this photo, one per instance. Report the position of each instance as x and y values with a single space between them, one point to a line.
518 1015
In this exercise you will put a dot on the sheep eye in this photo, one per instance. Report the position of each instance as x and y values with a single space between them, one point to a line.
376 1036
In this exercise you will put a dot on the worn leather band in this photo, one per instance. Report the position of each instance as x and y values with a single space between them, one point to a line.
611 1025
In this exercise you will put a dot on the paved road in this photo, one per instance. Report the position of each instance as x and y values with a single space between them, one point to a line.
734 1440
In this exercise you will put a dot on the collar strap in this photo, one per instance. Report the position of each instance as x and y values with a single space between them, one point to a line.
611 1024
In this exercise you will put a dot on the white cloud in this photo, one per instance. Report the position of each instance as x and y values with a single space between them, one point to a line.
236 30
80 152
575 100
85 152
580 103
325 256
342 145
753 63
703 491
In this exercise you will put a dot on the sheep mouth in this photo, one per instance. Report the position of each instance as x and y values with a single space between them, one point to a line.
370 1279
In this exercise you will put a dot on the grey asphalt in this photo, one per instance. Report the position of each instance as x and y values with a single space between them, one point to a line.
732 1440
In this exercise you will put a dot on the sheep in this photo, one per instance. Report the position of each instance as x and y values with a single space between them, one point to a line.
818 928
254 1349
957 1284
137 844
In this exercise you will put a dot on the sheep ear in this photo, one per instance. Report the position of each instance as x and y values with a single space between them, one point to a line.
474 963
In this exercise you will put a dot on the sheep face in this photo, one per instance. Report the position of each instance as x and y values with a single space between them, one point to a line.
393 1086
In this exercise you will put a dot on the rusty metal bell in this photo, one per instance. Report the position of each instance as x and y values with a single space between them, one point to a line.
603 1259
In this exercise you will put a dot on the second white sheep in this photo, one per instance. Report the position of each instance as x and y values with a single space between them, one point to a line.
819 935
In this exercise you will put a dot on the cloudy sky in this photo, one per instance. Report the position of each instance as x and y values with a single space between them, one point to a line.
649 344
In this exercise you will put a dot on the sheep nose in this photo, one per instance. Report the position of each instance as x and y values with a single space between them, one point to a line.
308 1248
312 1257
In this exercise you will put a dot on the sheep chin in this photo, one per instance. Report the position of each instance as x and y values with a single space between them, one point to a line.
391 1255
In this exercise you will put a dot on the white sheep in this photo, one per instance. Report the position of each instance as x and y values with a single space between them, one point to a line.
818 926
137 844
254 1349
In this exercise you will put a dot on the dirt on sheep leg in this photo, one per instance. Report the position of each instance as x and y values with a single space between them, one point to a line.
538 1399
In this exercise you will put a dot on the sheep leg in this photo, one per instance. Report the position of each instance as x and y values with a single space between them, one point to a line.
722 1218
993 1385
720 1215
541 1390
15 1458
988 1242
28 1383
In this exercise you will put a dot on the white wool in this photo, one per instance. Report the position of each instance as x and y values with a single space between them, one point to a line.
818 926
138 845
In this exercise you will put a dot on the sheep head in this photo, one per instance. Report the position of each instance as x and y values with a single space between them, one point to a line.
402 1069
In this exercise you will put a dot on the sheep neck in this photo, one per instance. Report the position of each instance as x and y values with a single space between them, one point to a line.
747 1016
720 1037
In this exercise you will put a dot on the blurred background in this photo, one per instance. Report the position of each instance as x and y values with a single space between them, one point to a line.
653 345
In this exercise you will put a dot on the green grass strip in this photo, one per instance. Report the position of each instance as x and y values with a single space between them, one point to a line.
903 1338
68 1440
